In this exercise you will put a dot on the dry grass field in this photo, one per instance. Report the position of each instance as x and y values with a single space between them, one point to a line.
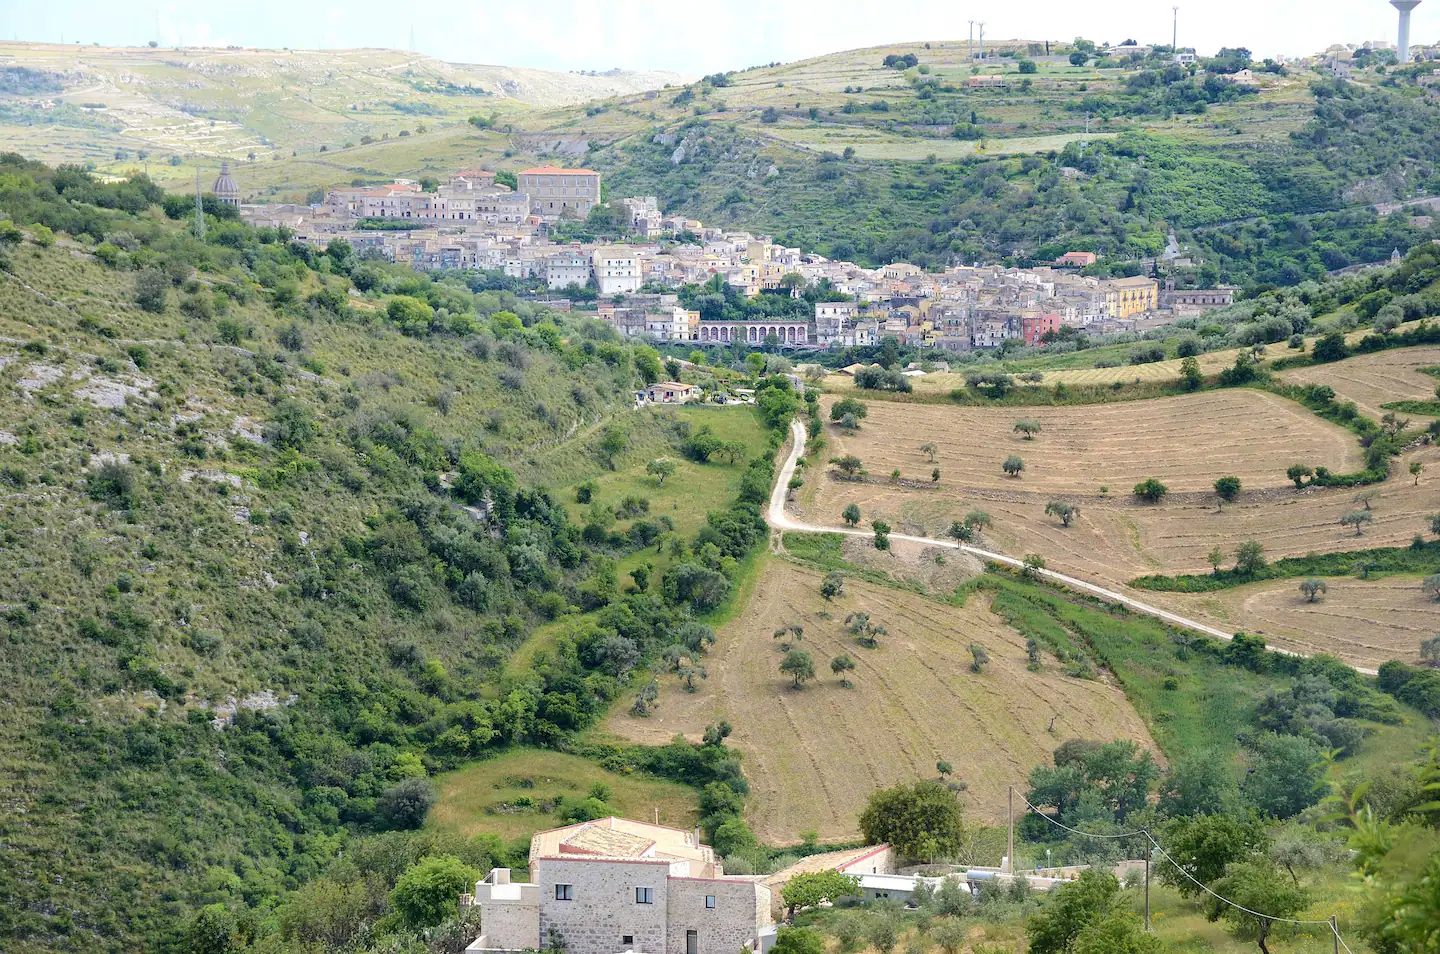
1186 441
814 755
1115 539
1371 380
1365 622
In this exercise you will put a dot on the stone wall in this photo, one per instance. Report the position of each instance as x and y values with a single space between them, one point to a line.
742 909
602 911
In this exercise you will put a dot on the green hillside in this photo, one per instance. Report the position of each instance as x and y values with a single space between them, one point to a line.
270 542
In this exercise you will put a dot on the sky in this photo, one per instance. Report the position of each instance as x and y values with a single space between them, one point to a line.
691 38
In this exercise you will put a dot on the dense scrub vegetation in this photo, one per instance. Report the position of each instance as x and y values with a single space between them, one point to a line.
277 519
1278 212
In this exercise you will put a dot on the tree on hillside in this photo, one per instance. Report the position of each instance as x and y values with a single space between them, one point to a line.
1151 490
1264 895
1227 489
1031 566
425 894
1430 586
798 665
1205 845
1435 524
921 821
865 630
660 468
882 534
1190 374
1013 465
1312 589
1285 776
851 514
961 532
1298 473
841 666
1249 558
1366 496
1216 557
850 406
1357 519
1075 906
929 448
815 888
1065 511
979 658
1416 469
849 465
1430 650
1028 428
978 520
613 441
832 586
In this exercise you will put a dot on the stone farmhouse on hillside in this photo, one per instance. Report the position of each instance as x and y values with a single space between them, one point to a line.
615 885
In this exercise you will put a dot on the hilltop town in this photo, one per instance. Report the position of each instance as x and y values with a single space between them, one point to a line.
473 223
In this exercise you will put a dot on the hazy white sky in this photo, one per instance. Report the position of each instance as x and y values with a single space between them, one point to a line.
698 38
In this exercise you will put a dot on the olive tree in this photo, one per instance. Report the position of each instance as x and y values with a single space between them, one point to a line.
798 665
1227 489
1065 511
1357 519
1013 465
1027 428
1313 589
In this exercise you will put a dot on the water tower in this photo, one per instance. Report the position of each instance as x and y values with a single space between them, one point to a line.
1402 43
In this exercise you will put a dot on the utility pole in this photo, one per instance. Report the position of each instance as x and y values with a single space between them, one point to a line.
970 51
1148 852
982 39
1175 30
1010 851
199 210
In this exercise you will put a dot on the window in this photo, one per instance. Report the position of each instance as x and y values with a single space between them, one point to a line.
644 895
627 941
564 892
692 942
709 900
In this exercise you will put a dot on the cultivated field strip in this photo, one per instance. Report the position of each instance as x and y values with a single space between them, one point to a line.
1364 622
1371 380
1118 539
1185 441
814 755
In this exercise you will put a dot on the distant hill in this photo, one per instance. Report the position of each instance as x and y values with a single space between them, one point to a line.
88 104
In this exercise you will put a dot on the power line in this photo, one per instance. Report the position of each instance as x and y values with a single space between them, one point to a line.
1328 922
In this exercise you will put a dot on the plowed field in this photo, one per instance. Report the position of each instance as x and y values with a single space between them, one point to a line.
1187 442
1371 380
814 755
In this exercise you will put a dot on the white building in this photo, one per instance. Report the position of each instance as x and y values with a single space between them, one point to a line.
567 268
618 885
617 270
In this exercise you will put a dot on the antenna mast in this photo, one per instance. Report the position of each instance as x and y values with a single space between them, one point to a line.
970 52
199 210
1175 30
982 39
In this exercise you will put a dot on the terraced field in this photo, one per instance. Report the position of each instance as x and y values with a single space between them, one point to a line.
1186 441
1374 380
1366 622
814 755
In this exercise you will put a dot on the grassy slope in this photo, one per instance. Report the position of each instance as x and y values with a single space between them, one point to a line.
482 797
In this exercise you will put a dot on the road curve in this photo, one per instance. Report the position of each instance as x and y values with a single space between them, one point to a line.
779 519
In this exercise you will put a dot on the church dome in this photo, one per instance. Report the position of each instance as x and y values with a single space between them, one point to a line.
226 189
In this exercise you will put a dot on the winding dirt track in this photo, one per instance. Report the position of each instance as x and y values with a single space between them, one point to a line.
779 519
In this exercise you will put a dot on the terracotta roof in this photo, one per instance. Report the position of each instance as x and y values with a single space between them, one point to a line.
556 171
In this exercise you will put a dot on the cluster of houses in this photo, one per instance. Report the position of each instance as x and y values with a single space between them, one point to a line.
617 885
471 222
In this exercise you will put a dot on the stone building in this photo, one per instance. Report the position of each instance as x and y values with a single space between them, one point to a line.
555 192
618 885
